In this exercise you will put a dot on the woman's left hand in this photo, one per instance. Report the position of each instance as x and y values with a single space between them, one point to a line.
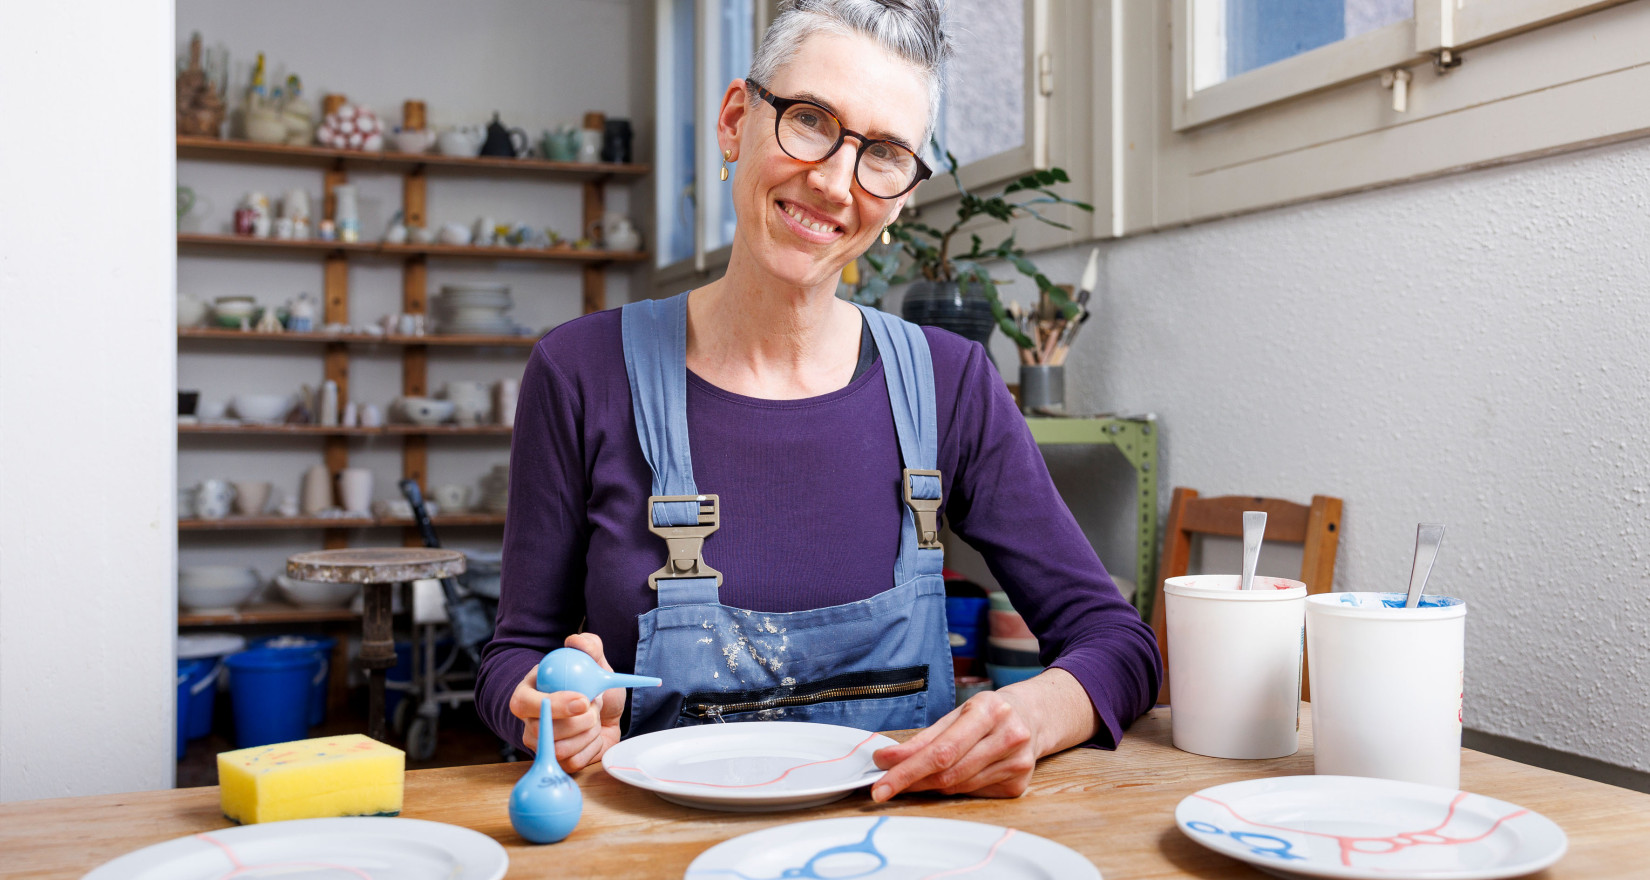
989 746
984 747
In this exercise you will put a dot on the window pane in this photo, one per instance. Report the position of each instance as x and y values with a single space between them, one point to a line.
737 33
983 111
1230 37
676 132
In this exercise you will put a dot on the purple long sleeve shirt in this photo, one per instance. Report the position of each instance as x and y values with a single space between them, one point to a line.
810 509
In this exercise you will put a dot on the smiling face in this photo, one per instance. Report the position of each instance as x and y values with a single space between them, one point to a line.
800 223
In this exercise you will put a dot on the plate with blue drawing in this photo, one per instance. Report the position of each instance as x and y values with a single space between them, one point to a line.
889 848
1362 829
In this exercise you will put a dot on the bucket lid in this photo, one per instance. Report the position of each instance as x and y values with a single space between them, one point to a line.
196 646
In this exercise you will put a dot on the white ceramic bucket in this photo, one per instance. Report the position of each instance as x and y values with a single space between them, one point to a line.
1235 665
1387 684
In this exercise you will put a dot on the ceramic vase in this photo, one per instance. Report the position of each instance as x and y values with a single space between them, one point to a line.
947 305
355 489
316 495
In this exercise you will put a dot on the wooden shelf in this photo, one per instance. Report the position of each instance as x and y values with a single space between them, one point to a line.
339 430
264 523
271 613
326 157
209 241
449 520
219 333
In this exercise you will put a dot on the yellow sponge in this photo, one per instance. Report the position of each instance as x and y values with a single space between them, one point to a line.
349 775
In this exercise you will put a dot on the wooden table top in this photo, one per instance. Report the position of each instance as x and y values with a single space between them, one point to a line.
1116 808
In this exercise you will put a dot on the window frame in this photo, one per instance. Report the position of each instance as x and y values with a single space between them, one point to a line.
1571 78
707 160
1460 24
1381 49
1033 152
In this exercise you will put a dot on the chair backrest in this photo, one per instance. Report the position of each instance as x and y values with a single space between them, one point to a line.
1315 526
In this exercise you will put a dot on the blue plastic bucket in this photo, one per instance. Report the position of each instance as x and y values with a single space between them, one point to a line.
270 691
203 683
187 670
963 615
321 646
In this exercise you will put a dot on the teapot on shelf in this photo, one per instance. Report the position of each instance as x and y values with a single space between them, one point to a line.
510 143
464 140
561 145
616 232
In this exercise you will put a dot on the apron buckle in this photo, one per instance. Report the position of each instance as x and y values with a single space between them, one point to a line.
685 543
927 510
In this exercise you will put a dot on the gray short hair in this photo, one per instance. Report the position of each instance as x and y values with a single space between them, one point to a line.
911 29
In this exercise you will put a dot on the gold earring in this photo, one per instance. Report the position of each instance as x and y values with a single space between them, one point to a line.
886 238
727 156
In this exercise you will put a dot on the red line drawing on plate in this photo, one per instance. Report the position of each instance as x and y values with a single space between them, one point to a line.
240 868
990 854
1395 843
751 784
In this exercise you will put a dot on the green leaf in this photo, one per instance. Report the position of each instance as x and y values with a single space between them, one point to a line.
873 291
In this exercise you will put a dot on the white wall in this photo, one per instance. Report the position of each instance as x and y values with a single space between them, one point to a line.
87 539
538 64
1467 350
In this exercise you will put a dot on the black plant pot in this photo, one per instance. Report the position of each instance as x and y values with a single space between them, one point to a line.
964 311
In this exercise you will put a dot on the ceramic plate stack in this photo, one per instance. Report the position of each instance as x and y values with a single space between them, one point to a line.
474 309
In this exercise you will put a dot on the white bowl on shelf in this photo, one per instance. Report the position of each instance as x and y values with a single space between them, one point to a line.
314 594
262 407
205 589
426 411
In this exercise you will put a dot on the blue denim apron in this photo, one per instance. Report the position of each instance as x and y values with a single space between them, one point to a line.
882 663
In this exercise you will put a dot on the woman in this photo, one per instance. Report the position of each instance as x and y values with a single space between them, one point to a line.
814 431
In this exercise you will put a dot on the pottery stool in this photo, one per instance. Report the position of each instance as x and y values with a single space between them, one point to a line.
376 569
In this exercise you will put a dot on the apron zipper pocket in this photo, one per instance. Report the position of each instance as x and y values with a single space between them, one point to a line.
849 686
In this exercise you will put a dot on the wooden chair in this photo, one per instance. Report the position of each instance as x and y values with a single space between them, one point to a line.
1317 527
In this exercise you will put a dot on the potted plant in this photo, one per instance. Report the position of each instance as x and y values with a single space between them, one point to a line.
954 290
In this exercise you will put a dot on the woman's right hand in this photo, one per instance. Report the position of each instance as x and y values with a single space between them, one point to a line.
583 729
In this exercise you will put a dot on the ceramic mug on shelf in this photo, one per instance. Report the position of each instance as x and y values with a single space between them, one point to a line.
213 498
590 145
453 497
355 489
251 497
505 406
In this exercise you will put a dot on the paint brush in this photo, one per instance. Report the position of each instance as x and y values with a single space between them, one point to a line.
1091 277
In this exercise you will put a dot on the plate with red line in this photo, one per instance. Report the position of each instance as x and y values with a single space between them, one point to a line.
1354 828
351 848
749 766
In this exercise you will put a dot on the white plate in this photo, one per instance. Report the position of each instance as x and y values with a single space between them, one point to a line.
1352 827
904 847
750 766
376 847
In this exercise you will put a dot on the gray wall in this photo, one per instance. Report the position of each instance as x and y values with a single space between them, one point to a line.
1465 350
